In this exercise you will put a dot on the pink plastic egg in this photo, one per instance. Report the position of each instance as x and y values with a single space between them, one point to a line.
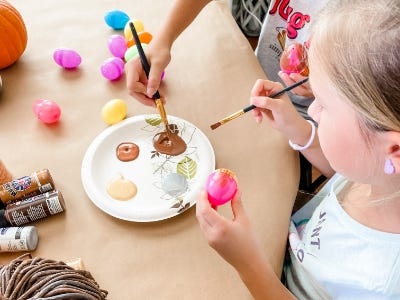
221 186
67 58
117 45
294 59
112 68
47 111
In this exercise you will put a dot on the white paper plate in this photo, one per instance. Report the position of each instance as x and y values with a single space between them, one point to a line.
100 165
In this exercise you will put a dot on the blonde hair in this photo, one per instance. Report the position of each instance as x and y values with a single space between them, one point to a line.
357 44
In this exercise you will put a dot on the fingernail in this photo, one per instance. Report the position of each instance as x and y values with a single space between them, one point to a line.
150 92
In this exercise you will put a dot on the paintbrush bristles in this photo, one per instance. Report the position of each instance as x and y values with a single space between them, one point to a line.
227 119
215 126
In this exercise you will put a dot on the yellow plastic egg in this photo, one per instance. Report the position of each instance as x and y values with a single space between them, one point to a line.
114 111
127 29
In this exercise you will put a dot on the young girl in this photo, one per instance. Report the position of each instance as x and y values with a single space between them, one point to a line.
344 243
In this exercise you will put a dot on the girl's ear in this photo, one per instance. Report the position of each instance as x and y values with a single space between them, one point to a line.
392 145
392 149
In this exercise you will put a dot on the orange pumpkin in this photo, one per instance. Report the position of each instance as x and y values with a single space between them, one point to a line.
13 36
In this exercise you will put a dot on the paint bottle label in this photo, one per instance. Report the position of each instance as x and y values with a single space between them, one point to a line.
35 208
14 239
27 186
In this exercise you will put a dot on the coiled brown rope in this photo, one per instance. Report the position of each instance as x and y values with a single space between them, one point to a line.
37 278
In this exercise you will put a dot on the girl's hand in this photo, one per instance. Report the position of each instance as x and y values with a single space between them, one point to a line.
236 242
280 113
137 83
302 90
233 239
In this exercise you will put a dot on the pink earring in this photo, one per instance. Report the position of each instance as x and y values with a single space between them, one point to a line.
389 167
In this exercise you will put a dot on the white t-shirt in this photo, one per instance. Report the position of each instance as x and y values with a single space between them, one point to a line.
335 257
286 21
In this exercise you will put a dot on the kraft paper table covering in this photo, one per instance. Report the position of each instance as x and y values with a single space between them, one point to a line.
211 73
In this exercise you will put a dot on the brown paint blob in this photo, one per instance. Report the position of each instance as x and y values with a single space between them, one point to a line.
127 151
169 142
120 188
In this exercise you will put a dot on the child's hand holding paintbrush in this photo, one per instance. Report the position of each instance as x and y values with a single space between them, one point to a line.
282 115
252 106
146 67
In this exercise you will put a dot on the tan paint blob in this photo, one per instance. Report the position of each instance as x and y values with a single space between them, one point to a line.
121 188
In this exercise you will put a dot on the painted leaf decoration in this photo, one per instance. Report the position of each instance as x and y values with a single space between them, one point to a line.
187 205
187 167
153 121
178 203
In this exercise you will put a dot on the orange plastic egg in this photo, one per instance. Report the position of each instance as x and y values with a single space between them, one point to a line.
144 37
